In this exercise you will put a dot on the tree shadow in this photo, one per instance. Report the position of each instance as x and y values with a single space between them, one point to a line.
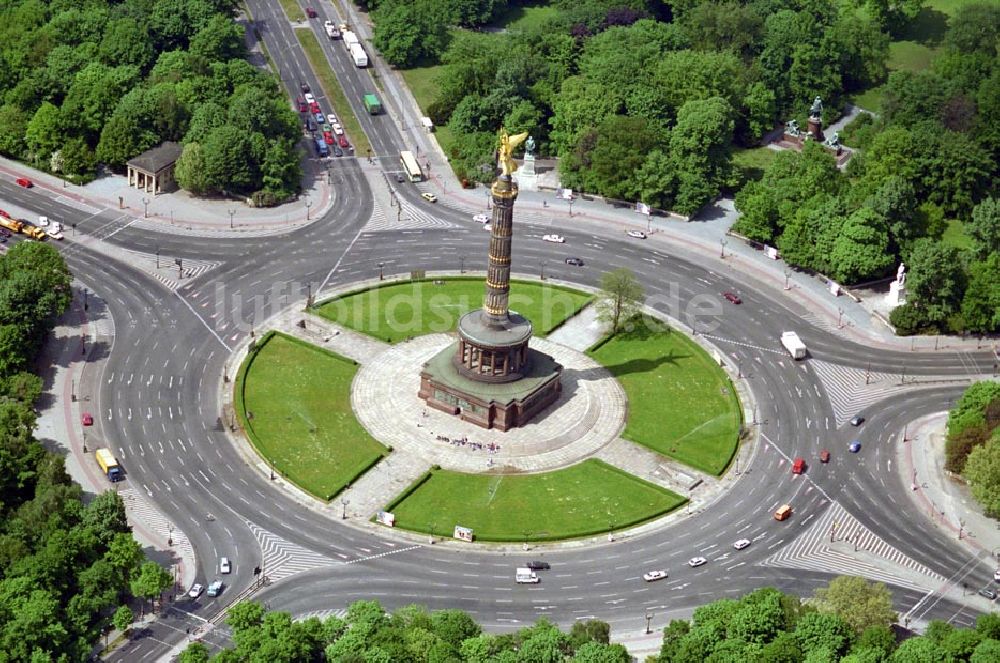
928 28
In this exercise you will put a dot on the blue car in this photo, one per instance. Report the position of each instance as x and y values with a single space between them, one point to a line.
320 120
855 446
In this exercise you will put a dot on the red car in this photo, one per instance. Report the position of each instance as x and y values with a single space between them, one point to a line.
328 137
310 12
824 456
88 419
732 297
314 107
25 182
4 214
301 103
342 141
799 466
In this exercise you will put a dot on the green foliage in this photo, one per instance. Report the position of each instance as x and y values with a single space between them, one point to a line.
407 31
862 605
982 470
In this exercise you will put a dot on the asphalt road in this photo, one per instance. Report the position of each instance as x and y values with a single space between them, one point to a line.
157 405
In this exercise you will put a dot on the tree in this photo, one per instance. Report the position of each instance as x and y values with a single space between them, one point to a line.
13 127
405 32
918 650
975 28
981 303
196 652
151 581
935 279
761 107
860 604
621 298
221 38
454 626
123 618
861 250
590 630
126 42
44 132
823 631
598 652
984 228
982 470
619 151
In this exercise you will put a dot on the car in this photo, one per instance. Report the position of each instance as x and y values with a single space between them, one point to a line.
576 262
400 178
310 12
741 544
310 99
855 446
25 182
988 593
488 227
538 566
696 561
337 152
225 566
481 218
4 232
429 197
638 234
215 588
43 221
331 118
328 137
732 298
327 127
824 456
857 420
319 118
314 109
337 129
4 213
196 590
798 466
342 141
301 104
3 239
558 239
87 419
996 576
650 576
304 87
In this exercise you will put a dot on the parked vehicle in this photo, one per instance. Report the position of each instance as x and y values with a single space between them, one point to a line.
109 465
796 348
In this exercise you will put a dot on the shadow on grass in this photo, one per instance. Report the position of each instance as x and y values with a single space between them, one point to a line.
928 28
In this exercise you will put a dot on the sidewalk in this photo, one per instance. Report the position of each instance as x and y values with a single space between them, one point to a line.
947 503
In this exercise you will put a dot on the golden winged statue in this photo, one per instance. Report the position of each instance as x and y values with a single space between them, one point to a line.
507 145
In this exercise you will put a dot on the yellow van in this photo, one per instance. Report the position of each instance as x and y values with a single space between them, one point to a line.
783 512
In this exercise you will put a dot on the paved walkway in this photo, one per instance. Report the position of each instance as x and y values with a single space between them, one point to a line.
581 331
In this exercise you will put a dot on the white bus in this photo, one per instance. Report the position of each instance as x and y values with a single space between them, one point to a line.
410 166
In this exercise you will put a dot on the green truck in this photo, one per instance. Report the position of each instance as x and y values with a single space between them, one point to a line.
372 104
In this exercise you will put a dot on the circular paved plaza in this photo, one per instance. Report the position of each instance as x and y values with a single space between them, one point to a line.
589 413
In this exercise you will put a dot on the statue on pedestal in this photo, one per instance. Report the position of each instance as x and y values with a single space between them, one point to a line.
792 128
897 289
507 145
817 108
529 147
816 119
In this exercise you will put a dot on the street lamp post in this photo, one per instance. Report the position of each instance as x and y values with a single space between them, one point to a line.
461 264
232 213
649 618
145 208
722 248
571 207
343 504
787 274
157 257
308 205
541 271
381 266
840 318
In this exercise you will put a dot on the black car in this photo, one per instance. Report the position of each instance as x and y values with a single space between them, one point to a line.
304 87
337 152
576 262
538 566
857 420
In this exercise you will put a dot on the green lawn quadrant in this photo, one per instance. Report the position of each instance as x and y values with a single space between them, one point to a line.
681 404
581 500
397 311
302 423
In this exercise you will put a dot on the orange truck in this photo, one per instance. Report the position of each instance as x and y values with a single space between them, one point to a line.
12 225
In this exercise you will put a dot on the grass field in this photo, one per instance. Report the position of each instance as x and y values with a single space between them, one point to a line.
302 422
334 92
292 10
423 84
588 498
397 311
752 162
527 14
680 402
954 234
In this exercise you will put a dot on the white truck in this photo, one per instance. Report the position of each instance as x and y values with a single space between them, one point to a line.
794 345
349 39
331 29
359 56
524 575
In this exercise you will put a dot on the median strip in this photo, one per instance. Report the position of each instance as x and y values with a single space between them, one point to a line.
332 89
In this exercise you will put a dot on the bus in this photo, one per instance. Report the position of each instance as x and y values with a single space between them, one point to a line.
410 166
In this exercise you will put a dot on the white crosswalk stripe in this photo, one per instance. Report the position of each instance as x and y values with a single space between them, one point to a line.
812 550
139 509
408 217
322 615
851 390
283 558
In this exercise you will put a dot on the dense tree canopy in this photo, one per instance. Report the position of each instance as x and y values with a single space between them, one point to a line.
100 82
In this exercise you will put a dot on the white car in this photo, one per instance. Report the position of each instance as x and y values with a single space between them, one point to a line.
696 561
429 197
481 218
337 129
331 118
225 566
996 576
558 239
309 98
638 234
650 576
741 544
215 588
487 227
196 590
43 221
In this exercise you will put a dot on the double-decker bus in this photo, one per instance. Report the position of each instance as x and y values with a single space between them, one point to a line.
410 166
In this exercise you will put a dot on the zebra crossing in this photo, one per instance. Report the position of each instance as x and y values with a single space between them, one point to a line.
822 322
405 217
851 390
277 227
139 509
322 615
813 551
283 559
